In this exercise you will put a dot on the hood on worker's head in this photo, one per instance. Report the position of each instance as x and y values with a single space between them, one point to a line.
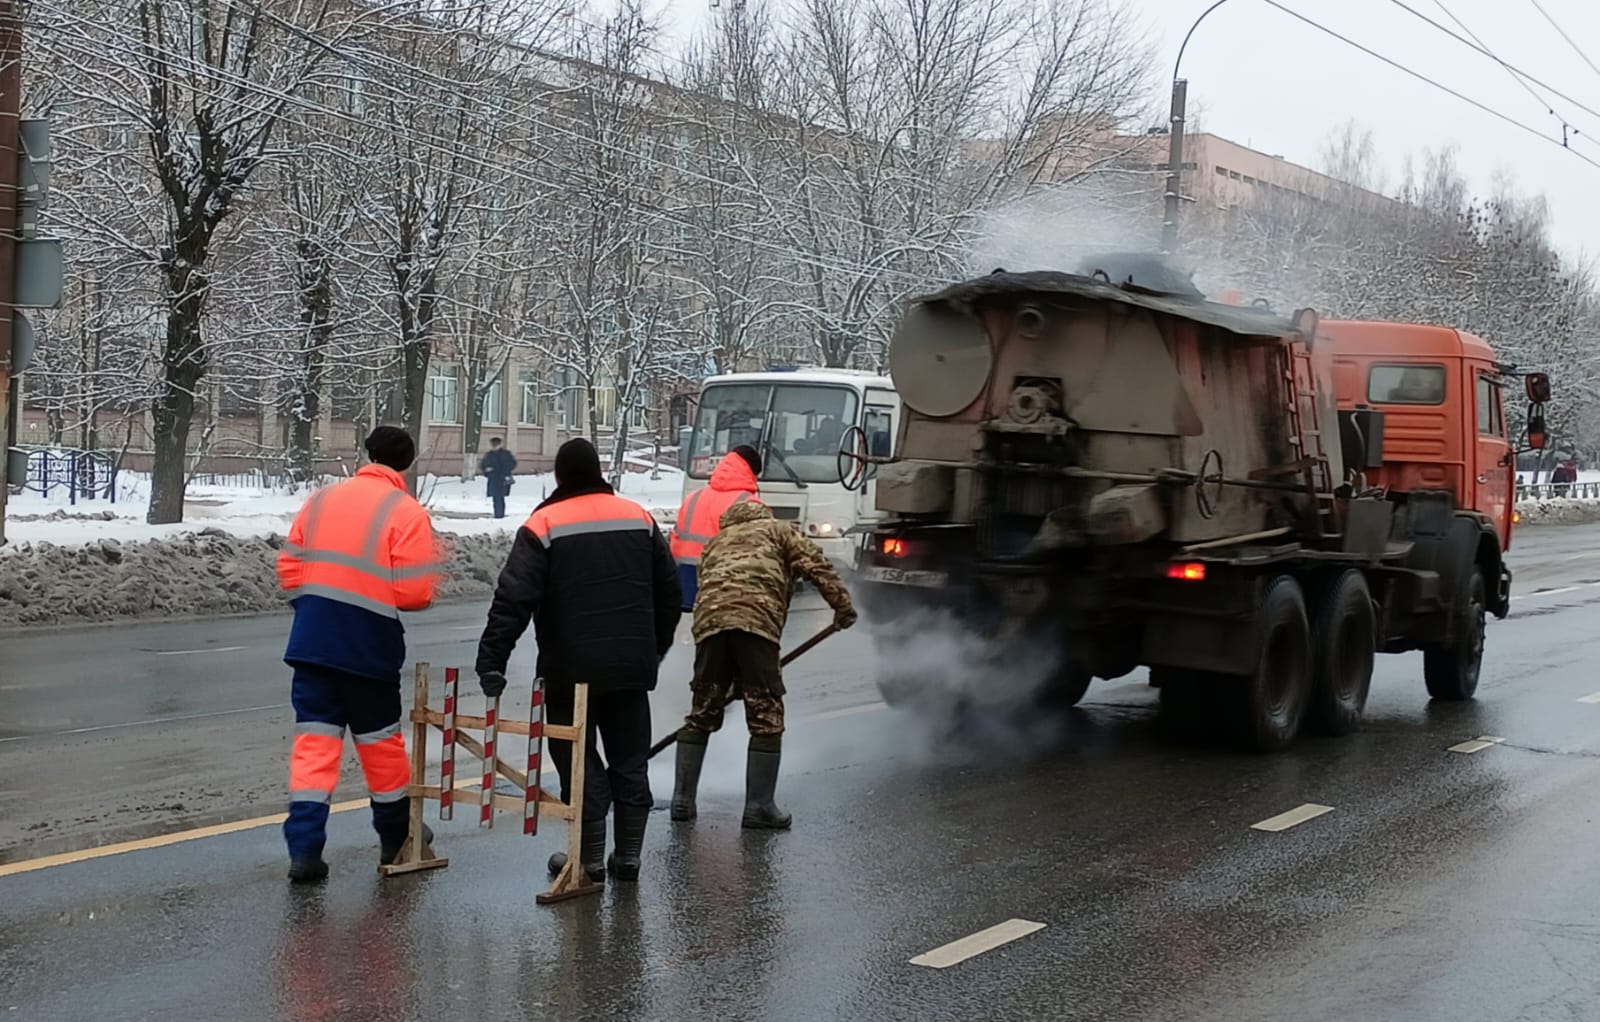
734 472
748 511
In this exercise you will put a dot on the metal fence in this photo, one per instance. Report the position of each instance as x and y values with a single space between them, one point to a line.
1558 491
86 475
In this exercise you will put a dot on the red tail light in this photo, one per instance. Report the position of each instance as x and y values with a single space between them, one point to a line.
1192 571
892 546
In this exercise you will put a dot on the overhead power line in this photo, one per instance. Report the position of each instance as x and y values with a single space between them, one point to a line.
1419 76
1538 97
1575 47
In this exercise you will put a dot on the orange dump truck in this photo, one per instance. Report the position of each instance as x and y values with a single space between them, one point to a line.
1252 507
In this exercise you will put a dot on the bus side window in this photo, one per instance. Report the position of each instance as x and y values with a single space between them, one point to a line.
879 427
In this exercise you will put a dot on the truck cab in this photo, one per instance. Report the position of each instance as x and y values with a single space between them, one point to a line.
1423 407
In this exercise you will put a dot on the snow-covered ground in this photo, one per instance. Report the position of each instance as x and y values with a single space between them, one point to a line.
458 507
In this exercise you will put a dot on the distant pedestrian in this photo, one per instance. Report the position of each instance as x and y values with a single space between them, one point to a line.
499 467
593 573
1561 478
747 577
734 481
358 554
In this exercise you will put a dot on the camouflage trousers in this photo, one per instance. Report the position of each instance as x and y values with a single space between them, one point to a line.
743 666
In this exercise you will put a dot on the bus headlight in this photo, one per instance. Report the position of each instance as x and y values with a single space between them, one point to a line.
821 529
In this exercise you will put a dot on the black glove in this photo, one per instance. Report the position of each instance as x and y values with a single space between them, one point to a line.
492 682
843 619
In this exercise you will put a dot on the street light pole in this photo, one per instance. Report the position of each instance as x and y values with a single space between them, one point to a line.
1175 126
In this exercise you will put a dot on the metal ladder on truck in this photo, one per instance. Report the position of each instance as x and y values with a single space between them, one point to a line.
1311 461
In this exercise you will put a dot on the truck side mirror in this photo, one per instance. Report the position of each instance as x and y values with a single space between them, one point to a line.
1538 386
1537 437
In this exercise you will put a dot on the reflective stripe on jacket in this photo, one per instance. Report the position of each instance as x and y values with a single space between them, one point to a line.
593 574
358 554
701 513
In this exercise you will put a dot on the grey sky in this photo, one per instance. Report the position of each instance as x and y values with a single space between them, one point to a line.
1260 77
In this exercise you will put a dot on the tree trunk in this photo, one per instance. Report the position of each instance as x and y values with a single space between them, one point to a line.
619 445
316 314
172 414
472 420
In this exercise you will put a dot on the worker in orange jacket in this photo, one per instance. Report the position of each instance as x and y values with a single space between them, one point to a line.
700 516
358 554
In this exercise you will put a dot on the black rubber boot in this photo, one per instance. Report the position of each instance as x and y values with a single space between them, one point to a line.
630 825
388 852
691 757
760 784
307 871
591 850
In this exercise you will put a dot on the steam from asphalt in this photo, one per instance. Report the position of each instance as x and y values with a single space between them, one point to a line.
964 701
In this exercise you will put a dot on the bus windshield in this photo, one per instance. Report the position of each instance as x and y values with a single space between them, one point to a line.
796 427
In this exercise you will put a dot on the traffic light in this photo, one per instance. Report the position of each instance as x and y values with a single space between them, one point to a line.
40 271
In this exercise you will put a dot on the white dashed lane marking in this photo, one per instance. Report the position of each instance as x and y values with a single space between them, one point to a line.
958 951
847 711
1593 697
1475 745
1292 818
194 652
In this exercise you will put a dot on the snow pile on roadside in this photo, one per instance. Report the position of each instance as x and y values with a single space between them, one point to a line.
249 510
204 573
95 561
1559 511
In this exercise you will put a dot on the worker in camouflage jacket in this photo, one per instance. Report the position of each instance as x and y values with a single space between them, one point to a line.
747 575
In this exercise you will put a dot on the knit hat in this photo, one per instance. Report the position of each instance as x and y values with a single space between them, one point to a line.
391 446
578 464
750 455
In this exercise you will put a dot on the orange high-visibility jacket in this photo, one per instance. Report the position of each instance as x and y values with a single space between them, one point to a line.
700 516
358 554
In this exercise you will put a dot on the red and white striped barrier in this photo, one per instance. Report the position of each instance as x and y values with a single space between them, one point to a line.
486 794
530 805
447 751
455 728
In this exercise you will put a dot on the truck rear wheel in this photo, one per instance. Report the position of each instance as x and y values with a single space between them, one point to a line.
1277 693
1452 671
1343 646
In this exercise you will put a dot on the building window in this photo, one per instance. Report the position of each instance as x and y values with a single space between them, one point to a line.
567 394
494 402
444 396
1222 171
605 405
528 387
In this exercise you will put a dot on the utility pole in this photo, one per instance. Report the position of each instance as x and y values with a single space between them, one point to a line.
31 272
1169 222
10 122
1180 93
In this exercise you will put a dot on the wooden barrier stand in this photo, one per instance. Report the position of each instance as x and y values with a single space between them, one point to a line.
416 854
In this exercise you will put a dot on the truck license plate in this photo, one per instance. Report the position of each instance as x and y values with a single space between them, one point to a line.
900 576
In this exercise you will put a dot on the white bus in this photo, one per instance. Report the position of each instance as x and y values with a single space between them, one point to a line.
796 419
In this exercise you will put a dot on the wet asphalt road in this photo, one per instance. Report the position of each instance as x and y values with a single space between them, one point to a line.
1441 886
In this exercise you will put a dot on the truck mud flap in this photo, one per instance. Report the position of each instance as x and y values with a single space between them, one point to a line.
1223 646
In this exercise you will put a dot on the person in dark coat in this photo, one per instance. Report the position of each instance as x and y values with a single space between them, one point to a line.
498 467
592 571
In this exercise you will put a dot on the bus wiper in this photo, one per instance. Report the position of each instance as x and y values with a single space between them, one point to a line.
794 477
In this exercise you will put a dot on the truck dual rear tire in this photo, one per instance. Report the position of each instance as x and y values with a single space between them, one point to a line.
1343 647
1278 692
1452 671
